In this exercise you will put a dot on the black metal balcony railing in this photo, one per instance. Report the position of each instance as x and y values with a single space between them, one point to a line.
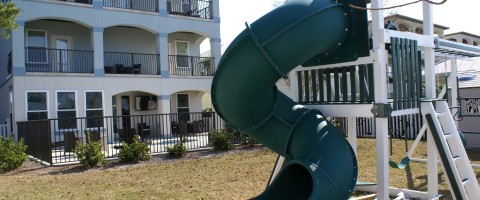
131 63
143 5
191 65
58 60
79 1
191 8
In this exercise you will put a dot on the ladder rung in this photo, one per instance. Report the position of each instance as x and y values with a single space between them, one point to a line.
440 114
465 181
456 158
448 136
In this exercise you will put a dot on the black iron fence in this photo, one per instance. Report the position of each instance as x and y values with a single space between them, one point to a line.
143 5
131 63
54 140
191 65
191 8
58 60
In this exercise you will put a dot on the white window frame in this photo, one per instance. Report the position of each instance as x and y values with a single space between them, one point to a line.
85 104
26 102
27 45
177 54
56 104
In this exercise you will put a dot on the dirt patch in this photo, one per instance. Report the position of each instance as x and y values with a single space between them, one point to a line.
34 168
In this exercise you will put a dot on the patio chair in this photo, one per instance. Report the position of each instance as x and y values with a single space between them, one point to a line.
94 136
137 69
126 135
143 129
70 141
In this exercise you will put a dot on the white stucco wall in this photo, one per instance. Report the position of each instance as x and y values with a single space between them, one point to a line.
111 85
81 37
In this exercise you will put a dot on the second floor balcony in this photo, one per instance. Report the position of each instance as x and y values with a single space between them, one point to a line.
48 60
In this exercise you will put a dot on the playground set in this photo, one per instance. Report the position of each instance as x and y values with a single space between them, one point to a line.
337 70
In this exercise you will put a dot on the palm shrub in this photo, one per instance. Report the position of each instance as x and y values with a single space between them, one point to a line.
178 150
221 140
12 155
90 154
134 152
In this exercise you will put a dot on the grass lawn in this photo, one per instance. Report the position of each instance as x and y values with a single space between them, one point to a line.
237 175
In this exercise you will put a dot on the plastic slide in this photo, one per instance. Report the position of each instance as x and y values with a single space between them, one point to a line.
320 162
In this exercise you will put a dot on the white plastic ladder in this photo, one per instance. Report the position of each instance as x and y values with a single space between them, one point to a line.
455 162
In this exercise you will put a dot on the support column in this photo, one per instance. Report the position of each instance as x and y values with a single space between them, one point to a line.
454 84
216 50
352 133
165 124
162 8
430 94
97 43
381 124
162 50
97 4
216 11
18 50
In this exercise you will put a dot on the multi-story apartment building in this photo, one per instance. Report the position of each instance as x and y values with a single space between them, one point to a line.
86 58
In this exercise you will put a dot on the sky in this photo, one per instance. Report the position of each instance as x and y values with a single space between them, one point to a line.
459 15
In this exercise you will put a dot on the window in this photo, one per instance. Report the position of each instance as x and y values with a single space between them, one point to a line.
36 46
37 108
94 109
182 53
66 110
183 107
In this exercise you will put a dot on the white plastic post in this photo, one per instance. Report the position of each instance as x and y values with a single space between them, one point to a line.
453 81
352 133
430 94
381 124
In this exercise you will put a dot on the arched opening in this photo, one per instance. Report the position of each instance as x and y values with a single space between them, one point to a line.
188 54
475 43
419 30
453 39
130 50
403 27
58 45
464 41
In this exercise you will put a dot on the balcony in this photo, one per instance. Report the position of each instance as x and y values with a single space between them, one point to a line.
143 5
190 8
131 63
80 61
191 65
58 60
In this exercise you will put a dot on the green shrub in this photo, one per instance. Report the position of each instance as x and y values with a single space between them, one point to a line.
12 155
90 154
221 140
178 150
134 152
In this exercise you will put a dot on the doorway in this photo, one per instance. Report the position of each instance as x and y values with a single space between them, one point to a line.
125 105
61 56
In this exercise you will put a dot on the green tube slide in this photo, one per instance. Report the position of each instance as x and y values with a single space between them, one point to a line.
320 162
